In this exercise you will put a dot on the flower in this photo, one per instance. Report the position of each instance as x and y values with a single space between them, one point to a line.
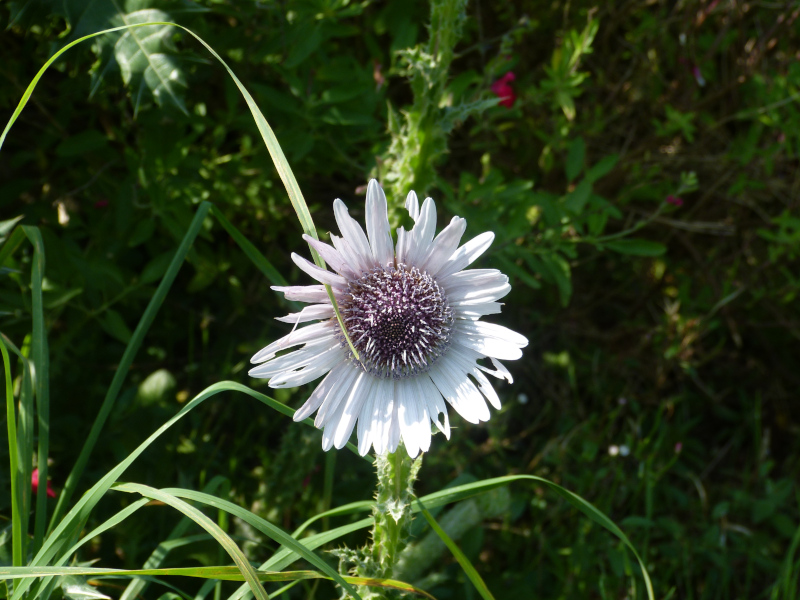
413 315
35 484
674 200
502 89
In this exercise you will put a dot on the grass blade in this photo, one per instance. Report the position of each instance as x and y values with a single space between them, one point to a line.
11 423
466 565
137 586
258 259
222 573
127 358
267 528
41 362
11 244
71 525
233 550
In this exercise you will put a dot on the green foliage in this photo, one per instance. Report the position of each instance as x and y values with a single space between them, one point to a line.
659 381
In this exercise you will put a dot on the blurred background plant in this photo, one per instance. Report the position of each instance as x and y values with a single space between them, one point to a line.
639 168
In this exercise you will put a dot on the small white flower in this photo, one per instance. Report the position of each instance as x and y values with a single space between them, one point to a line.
412 314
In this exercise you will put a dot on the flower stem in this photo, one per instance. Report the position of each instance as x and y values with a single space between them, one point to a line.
392 511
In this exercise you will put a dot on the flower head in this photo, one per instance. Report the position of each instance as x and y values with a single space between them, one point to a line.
413 315
35 484
503 90
674 200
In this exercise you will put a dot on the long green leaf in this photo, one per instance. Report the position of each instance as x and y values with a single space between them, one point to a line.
25 436
17 555
233 550
466 565
127 359
249 248
222 573
267 528
11 244
285 557
71 525
137 586
283 409
271 142
41 361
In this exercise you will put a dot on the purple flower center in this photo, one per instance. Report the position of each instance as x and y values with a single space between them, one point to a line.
398 319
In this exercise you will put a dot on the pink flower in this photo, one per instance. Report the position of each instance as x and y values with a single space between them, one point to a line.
35 484
101 204
503 90
674 200
678 447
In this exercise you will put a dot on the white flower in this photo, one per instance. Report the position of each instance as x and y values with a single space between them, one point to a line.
412 314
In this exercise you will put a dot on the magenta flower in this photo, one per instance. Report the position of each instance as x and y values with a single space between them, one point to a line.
674 200
503 90
35 484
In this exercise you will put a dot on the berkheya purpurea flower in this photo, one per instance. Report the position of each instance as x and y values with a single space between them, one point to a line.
413 314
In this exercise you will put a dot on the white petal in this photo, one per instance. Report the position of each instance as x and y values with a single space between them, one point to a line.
436 405
378 225
381 419
466 296
476 311
403 238
298 336
487 278
323 390
332 402
493 330
355 261
303 293
486 387
394 429
444 246
321 275
331 256
352 232
409 415
460 392
490 347
467 254
309 313
412 205
361 390
422 234
323 363
501 372
465 360
365 428
294 360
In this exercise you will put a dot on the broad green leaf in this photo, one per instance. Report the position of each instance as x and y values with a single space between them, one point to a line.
114 325
637 247
577 198
602 168
81 143
560 272
141 58
575 158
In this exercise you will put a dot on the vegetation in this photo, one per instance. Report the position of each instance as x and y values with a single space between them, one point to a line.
639 170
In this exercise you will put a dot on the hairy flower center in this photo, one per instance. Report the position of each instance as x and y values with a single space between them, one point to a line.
398 320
